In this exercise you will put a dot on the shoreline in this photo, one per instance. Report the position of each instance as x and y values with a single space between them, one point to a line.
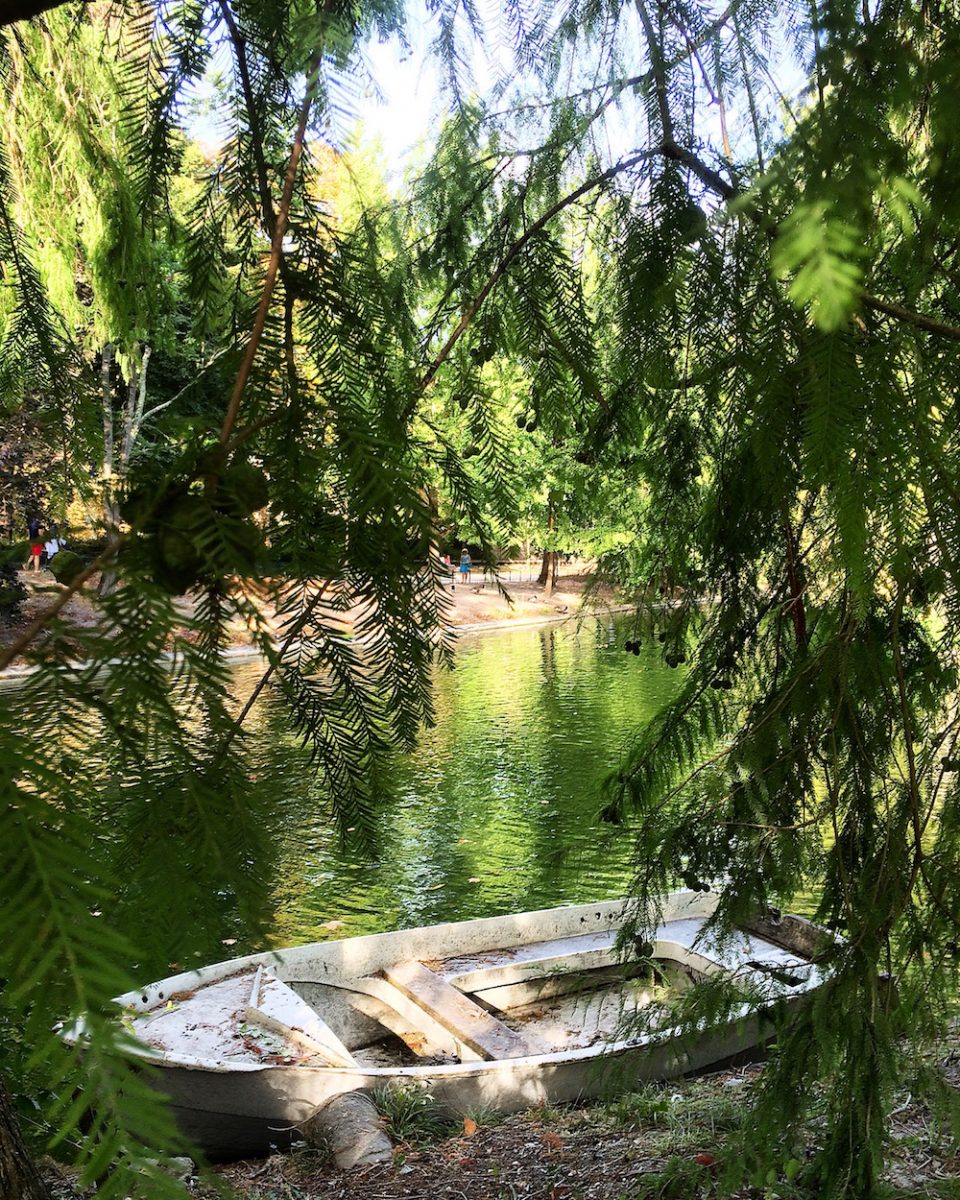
17 675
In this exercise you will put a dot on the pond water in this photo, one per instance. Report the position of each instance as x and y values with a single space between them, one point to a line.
495 811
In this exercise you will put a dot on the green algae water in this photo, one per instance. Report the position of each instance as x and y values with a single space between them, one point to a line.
496 809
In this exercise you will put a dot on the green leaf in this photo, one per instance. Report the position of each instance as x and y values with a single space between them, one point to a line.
822 252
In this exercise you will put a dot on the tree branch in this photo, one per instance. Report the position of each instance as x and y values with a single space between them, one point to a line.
513 250
256 138
655 50
298 627
899 313
727 191
276 251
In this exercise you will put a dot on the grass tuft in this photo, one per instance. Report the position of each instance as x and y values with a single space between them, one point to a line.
411 1114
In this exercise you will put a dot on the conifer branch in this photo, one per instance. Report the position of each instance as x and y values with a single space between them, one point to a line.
909 317
618 86
298 627
511 253
727 191
751 99
655 51
273 265
256 138
43 618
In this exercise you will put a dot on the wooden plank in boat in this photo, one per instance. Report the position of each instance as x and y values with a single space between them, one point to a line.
477 973
514 964
419 1032
794 934
507 996
275 1006
467 1021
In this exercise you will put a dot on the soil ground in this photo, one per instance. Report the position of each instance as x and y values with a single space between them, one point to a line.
475 604
665 1142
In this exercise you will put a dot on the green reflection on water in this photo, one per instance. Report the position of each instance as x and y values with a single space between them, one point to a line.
496 809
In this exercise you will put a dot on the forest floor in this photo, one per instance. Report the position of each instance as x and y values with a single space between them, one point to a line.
665 1142
474 605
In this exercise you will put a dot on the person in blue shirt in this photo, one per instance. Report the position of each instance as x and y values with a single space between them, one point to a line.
465 565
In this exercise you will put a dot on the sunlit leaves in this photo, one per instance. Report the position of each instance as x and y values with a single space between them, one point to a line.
820 251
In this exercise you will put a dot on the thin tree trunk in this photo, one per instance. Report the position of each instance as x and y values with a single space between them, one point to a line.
795 582
134 413
548 571
544 568
108 576
19 1178
106 402
115 466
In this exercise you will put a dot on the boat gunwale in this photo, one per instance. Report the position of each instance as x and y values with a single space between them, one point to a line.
554 1058
680 904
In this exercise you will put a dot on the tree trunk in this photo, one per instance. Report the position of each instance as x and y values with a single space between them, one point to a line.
548 571
796 584
19 1178
106 404
548 568
544 569
115 463
350 1129
108 576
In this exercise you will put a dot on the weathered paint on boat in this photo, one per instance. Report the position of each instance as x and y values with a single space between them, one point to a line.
241 1107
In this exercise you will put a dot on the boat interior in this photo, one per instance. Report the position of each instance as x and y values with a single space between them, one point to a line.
569 991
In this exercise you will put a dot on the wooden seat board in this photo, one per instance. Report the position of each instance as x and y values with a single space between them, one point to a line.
513 964
589 951
466 1020
277 1007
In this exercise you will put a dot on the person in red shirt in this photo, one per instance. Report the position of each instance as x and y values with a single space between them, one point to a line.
36 549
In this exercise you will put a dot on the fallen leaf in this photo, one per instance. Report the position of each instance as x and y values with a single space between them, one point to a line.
461 841
552 1141
333 926
469 1127
229 941
558 1191
474 879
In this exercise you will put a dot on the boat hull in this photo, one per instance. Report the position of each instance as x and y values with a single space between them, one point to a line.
234 1114
231 1107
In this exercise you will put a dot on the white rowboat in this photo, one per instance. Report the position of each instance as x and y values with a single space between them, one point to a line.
505 1012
